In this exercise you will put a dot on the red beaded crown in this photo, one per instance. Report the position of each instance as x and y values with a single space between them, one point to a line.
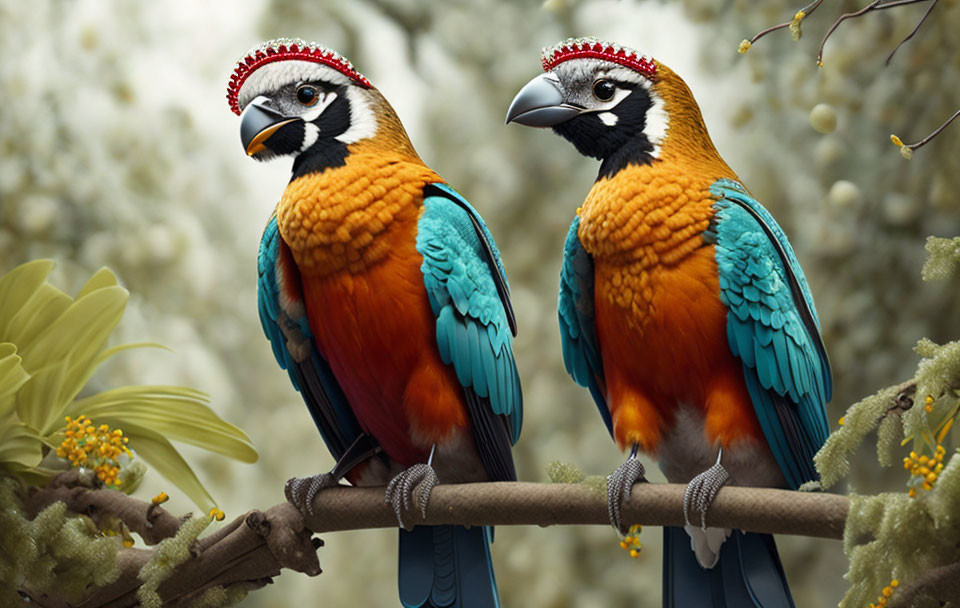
579 48
281 49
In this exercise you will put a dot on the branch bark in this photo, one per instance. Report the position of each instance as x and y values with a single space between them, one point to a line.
539 504
252 549
247 552
940 584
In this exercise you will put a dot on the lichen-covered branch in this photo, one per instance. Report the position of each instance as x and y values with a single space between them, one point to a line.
937 585
242 555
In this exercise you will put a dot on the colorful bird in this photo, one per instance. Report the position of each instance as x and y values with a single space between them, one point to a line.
384 297
683 310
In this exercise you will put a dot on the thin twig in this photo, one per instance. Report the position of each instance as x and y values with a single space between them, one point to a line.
913 33
837 23
927 139
807 10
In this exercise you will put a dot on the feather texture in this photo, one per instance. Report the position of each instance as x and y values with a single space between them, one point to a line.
578 338
772 327
473 329
284 321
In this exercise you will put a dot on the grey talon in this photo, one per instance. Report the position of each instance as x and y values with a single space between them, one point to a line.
300 491
702 491
619 485
401 488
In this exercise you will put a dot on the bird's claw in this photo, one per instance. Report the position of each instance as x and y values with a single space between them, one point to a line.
300 491
420 477
701 492
619 485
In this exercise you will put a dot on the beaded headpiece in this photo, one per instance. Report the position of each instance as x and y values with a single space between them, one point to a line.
579 48
281 49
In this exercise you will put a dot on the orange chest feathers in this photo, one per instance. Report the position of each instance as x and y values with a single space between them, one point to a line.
660 323
352 233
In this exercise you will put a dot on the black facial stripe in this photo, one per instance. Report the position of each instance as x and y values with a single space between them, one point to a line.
327 151
619 145
287 139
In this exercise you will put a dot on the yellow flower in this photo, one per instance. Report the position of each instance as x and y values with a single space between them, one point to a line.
744 47
160 498
217 514
631 541
98 449
896 141
842 420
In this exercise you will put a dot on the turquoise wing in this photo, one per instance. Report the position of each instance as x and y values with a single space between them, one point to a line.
578 337
284 320
772 327
470 297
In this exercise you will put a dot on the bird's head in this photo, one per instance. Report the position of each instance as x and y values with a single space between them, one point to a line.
303 100
609 101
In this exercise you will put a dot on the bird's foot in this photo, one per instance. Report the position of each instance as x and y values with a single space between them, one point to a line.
702 490
420 478
300 491
619 485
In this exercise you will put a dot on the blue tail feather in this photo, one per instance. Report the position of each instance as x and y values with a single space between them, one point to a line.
447 566
749 573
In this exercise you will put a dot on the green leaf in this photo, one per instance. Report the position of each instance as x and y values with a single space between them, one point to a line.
178 413
12 377
45 306
101 279
156 451
77 336
20 447
37 400
17 287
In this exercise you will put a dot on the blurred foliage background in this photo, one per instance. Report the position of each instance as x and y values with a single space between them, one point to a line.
117 148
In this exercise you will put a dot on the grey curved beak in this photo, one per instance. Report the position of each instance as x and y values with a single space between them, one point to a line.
259 123
540 103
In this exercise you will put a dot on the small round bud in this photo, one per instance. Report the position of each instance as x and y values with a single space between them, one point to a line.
823 118
844 195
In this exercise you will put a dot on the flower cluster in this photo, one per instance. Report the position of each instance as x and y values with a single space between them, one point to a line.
97 448
631 542
885 594
924 470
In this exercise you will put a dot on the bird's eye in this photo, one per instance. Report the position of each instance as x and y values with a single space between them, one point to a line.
307 94
604 90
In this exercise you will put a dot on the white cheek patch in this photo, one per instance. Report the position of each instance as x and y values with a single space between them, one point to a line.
310 135
322 104
363 122
657 121
608 118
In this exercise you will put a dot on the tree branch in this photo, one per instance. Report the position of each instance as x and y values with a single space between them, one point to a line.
246 553
550 504
941 584
251 550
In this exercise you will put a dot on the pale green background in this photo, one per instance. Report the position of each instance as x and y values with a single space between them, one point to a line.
117 148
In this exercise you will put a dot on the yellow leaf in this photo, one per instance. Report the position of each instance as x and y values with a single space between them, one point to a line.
166 460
